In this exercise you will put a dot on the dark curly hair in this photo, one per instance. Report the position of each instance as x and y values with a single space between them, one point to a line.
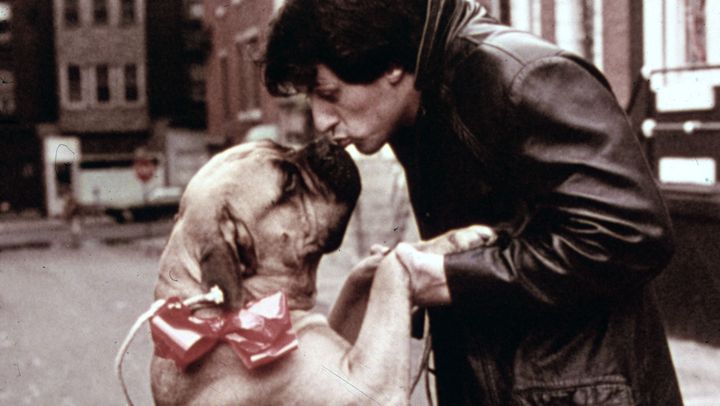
358 40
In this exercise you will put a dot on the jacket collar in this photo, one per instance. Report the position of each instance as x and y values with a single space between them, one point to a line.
444 20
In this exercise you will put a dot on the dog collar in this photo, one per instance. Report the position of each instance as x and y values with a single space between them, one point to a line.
259 333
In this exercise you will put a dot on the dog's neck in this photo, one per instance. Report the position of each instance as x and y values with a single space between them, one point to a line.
257 287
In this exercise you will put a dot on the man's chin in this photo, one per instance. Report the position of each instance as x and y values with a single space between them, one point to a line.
368 149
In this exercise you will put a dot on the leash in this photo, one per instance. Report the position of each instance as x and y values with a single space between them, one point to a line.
424 366
215 295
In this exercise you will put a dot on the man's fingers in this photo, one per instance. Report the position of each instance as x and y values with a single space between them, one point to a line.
427 275
406 255
379 249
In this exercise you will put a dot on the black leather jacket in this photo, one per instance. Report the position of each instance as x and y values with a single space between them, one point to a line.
520 135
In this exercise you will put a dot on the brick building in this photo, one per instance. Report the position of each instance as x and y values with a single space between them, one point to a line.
101 59
237 100
177 47
27 99
609 34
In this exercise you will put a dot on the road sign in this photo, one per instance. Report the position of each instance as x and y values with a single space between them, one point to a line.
144 169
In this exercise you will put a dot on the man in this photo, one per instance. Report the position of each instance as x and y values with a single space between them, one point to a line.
496 127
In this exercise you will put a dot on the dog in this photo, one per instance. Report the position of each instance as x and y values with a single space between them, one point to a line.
255 220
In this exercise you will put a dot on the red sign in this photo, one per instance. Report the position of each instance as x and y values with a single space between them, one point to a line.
144 169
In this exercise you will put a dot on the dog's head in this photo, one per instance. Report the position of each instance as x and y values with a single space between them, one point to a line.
257 218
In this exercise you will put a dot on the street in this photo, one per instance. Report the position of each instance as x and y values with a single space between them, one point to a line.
47 233
63 314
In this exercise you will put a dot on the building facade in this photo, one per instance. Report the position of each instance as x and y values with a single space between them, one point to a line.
177 47
239 108
607 33
102 64
27 99
103 117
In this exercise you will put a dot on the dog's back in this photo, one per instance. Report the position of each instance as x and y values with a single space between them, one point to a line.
304 377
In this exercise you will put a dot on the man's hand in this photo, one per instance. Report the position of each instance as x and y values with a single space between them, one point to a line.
427 275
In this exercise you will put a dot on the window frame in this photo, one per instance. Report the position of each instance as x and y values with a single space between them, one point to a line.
133 84
224 85
6 33
249 80
105 20
74 87
198 83
8 105
102 88
71 7
124 20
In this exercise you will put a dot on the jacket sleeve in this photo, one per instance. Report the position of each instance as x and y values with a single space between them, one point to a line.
598 228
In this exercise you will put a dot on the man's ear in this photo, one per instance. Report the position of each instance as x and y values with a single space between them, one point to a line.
228 257
395 75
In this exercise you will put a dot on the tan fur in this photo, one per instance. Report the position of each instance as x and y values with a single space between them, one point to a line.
233 231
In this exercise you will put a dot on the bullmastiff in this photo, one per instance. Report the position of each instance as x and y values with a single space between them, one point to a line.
256 220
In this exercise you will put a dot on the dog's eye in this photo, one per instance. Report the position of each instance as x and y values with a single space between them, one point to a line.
293 178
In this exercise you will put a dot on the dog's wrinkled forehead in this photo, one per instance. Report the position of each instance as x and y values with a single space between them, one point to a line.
260 170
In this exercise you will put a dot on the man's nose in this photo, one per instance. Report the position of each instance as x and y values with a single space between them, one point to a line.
324 116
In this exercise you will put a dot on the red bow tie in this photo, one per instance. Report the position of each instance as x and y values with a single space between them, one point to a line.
259 333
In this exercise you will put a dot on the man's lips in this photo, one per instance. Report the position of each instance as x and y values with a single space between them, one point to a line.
342 141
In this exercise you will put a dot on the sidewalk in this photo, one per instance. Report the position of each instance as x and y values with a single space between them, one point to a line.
20 225
696 365
19 233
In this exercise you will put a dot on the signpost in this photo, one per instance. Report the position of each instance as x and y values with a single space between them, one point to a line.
144 167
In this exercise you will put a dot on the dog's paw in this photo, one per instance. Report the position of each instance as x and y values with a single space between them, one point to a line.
472 237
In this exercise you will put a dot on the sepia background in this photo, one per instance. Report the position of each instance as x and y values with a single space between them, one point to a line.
108 107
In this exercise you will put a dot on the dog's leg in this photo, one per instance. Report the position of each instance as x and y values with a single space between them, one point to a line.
385 335
348 311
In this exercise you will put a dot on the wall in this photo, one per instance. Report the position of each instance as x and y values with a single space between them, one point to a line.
230 21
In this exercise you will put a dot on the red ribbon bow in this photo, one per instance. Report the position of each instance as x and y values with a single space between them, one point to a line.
259 333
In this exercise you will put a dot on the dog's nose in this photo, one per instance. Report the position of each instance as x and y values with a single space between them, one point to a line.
334 166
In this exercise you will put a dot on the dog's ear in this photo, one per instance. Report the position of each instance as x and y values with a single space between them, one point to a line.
228 257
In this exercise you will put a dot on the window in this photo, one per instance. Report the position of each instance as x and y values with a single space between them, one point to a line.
250 74
194 9
74 83
5 17
695 32
588 29
678 33
225 86
71 13
7 93
103 83
197 83
525 15
131 83
578 28
127 15
100 11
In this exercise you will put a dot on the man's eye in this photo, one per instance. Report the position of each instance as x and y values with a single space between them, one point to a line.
329 95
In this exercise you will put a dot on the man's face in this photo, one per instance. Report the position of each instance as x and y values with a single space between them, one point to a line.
363 114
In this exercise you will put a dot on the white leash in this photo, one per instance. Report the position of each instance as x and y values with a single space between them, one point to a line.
215 295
